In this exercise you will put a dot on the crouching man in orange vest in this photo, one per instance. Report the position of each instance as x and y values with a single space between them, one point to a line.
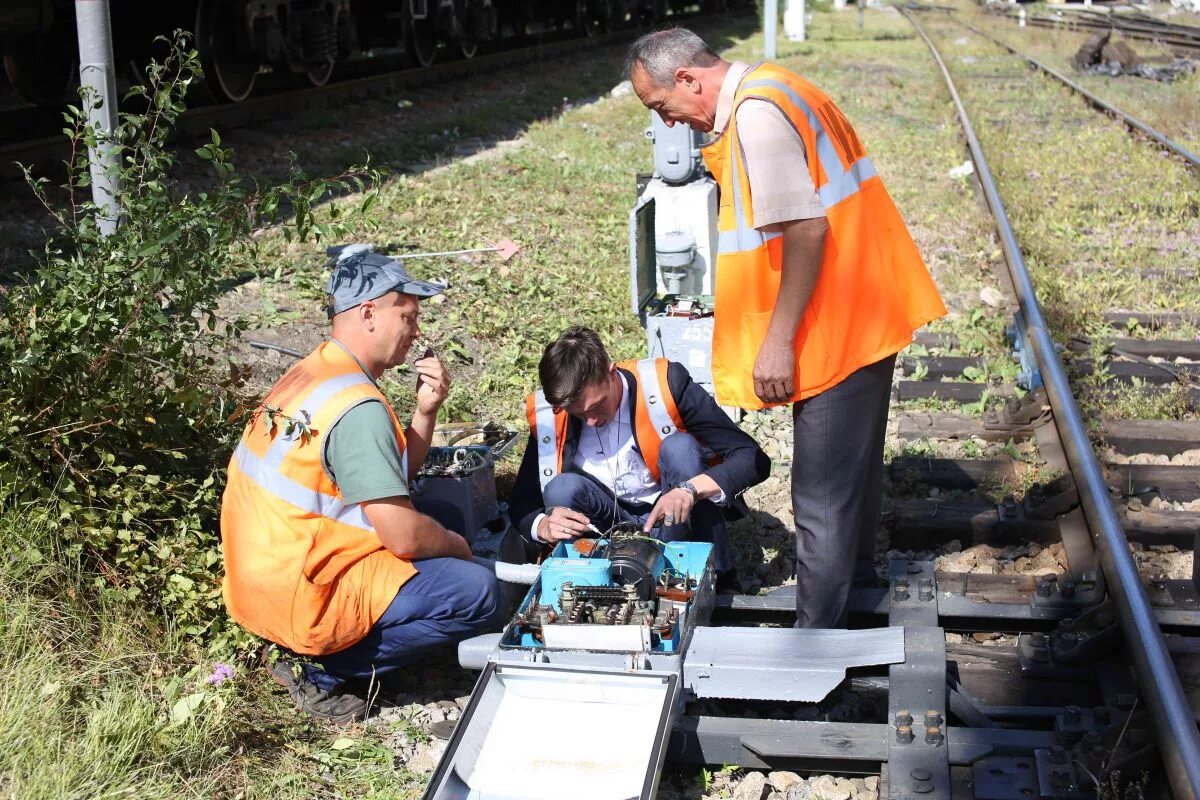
818 286
636 443
324 553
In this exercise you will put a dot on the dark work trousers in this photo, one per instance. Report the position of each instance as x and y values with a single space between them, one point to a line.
837 474
679 459
448 600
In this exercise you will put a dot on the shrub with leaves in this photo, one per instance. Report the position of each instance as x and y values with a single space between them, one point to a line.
114 397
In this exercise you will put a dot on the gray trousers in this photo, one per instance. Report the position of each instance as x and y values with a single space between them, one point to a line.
837 475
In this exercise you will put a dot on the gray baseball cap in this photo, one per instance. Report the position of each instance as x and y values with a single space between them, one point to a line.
358 275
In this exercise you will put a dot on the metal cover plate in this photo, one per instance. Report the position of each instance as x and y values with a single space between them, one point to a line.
643 264
539 731
792 664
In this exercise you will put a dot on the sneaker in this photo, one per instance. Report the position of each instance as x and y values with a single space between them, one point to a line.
335 706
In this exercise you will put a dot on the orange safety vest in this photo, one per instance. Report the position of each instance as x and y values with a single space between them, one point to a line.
873 290
655 417
303 568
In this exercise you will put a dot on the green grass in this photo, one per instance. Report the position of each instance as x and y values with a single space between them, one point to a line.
99 701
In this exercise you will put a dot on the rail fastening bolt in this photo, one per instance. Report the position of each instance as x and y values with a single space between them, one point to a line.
904 734
1058 754
1060 779
1044 589
933 718
922 780
900 594
1068 589
933 735
1037 639
903 717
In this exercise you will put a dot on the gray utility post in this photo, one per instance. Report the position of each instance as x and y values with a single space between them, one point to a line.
770 24
98 76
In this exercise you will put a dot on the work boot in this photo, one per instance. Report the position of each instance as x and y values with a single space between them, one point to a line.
335 706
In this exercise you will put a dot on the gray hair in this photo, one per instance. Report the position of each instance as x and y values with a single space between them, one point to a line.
662 52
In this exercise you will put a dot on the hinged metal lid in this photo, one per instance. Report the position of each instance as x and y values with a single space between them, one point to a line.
542 731
643 266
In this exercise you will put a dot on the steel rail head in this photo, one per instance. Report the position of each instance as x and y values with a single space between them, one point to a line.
1128 119
1178 739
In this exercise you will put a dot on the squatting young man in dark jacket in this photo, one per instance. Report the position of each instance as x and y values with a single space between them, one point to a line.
635 442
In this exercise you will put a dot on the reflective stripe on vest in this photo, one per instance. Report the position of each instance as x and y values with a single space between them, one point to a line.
743 237
840 182
655 403
318 397
545 430
656 416
272 481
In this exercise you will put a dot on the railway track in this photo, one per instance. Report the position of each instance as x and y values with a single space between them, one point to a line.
1018 685
1181 39
1128 119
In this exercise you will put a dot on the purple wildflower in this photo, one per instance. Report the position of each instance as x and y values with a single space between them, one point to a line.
220 674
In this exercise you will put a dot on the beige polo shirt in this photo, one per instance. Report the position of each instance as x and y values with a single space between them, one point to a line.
781 188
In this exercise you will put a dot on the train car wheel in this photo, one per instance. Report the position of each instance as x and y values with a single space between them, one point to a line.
421 38
43 67
319 76
228 72
422 46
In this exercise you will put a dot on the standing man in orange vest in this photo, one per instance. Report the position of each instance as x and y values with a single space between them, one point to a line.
818 286
636 443
324 553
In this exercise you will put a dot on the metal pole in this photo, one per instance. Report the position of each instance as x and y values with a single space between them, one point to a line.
97 76
770 27
1178 740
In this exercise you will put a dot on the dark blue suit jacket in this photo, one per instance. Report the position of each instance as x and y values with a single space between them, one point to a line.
744 464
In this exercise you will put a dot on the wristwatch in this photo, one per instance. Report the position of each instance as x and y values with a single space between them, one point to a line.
687 487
